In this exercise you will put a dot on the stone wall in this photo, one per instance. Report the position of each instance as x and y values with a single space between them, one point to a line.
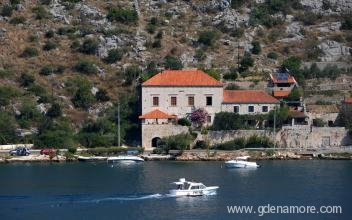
312 137
290 136
216 137
150 131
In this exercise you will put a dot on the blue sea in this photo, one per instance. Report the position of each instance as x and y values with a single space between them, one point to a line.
140 191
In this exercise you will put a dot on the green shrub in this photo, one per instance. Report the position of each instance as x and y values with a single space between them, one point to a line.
114 55
236 4
86 67
213 73
232 86
102 95
89 46
40 12
18 20
318 122
6 94
235 144
207 38
49 34
272 55
46 70
177 142
6 10
184 122
173 63
200 55
231 75
201 145
83 98
30 52
7 128
246 62
122 15
26 80
5 73
256 47
131 73
54 111
50 45
308 17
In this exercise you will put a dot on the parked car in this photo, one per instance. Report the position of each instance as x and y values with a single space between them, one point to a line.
48 152
20 151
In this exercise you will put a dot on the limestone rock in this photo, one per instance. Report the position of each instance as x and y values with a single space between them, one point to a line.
333 51
231 19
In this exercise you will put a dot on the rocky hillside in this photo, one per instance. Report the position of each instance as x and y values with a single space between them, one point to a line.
85 55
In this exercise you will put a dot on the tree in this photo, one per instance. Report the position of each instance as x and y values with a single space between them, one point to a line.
83 98
7 128
256 47
246 62
89 46
114 55
173 63
199 117
102 95
86 67
54 111
207 38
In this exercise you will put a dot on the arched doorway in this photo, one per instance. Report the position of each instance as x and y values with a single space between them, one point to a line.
156 142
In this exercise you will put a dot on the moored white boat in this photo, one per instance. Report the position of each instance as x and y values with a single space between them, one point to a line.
241 162
126 158
91 158
188 188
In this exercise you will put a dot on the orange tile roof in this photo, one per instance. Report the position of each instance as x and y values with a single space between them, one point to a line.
156 114
290 79
280 93
248 96
182 78
347 101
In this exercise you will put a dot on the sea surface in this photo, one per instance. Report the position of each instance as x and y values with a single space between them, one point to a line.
140 191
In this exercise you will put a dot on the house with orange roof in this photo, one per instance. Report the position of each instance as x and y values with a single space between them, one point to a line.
248 102
281 84
174 94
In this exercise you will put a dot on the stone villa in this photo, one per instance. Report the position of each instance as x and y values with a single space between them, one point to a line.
175 94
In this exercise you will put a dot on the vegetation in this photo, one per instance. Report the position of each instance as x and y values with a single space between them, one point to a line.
173 63
122 15
177 142
86 67
207 38
251 142
30 52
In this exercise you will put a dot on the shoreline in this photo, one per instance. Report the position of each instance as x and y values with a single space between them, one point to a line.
198 155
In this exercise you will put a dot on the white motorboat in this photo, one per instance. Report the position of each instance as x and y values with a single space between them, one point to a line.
125 158
241 162
187 188
91 158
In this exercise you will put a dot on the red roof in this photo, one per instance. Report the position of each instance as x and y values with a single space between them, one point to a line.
290 79
156 114
182 78
281 93
248 96
297 114
347 101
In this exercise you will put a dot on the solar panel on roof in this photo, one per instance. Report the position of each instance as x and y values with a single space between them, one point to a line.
282 76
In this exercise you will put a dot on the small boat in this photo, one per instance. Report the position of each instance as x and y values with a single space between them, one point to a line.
126 158
90 159
241 162
187 188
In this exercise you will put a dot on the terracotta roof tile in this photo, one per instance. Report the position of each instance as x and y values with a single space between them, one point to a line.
290 79
248 96
156 114
182 78
281 93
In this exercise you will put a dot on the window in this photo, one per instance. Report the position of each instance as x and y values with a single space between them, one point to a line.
173 101
209 100
190 100
209 119
251 108
155 101
264 108
236 109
